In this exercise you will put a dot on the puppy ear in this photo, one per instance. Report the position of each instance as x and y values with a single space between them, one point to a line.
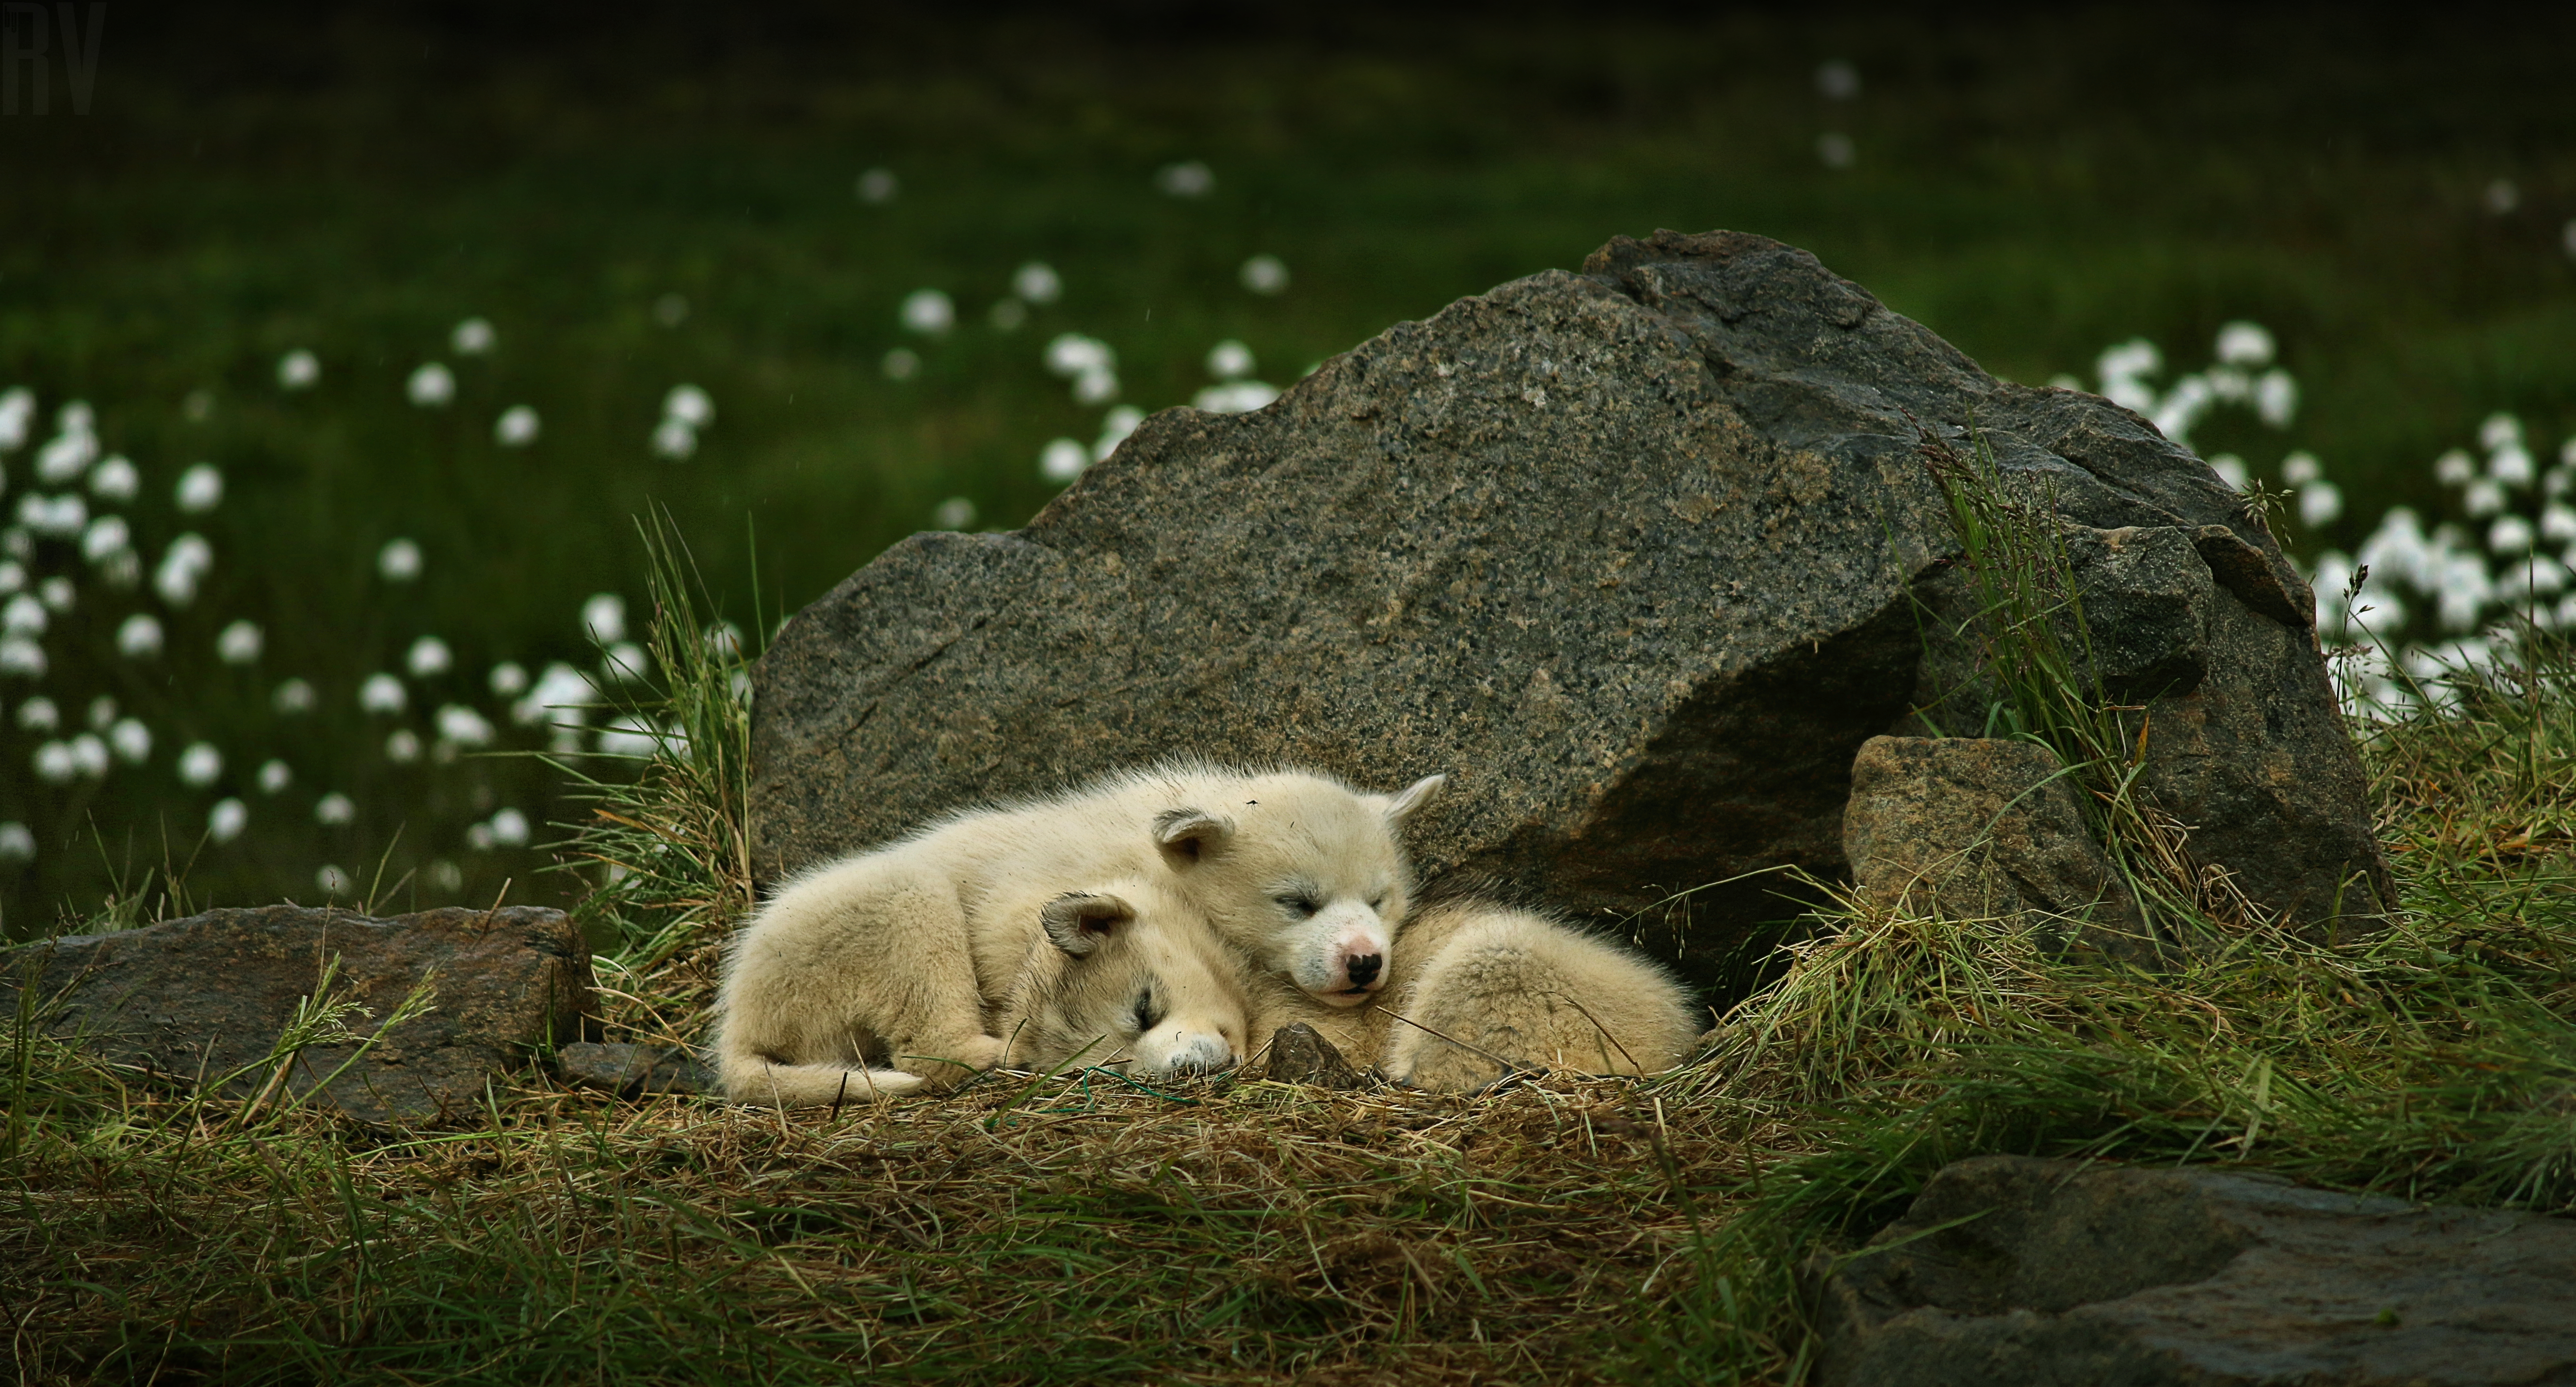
1187 836
1077 922
1414 796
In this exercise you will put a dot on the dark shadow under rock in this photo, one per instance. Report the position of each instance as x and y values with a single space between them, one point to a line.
634 1071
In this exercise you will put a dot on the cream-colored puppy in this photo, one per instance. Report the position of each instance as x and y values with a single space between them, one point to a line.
1480 989
1125 973
920 941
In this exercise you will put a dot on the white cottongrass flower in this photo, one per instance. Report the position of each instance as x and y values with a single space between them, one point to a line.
625 662
39 714
955 513
2231 470
446 876
59 516
89 755
105 538
2484 497
293 697
1116 427
428 657
463 726
723 641
2558 523
509 828
1072 354
2511 534
76 417
274 775
2512 465
628 736
13 575
431 385
382 694
332 880
2462 588
17 412
1188 178
516 428
1836 150
929 311
674 439
1062 460
1037 282
878 186
2123 369
130 740
240 643
2502 196
21 657
102 713
903 363
298 369
227 819
473 337
2276 398
509 679
2242 343
2301 468
1264 274
65 456
2182 407
115 479
56 593
17 842
562 695
399 561
2320 502
335 809
183 566
690 405
1229 360
200 765
402 746
201 489
138 637
24 616
2454 468
54 762
1837 80
2500 430
1007 314
603 618
1095 388
1235 397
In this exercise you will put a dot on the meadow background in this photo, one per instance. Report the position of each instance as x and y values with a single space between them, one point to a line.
661 197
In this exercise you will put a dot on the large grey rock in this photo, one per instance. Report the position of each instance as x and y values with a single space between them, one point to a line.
2060 1274
1630 553
1981 828
208 995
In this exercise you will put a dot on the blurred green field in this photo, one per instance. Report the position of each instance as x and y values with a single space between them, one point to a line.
357 184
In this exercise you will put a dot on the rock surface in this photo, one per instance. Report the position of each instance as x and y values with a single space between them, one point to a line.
207 996
633 1071
2056 1274
1632 554
1299 1054
1981 828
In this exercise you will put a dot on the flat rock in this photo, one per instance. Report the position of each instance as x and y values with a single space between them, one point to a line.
633 1071
206 998
2060 1274
1634 554
1981 828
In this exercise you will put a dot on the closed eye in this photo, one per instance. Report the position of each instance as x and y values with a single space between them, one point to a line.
1300 906
1146 1014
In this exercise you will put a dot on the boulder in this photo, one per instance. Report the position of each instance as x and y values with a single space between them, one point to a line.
1634 554
2061 1274
1299 1054
633 1071
206 998
1981 828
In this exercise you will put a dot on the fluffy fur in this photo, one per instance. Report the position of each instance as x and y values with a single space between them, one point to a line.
916 948
1508 989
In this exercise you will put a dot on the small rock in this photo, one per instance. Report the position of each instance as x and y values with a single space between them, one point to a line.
2060 1274
632 1071
1299 1055
209 995
1980 828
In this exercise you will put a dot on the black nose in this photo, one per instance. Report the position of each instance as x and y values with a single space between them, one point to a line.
1364 970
